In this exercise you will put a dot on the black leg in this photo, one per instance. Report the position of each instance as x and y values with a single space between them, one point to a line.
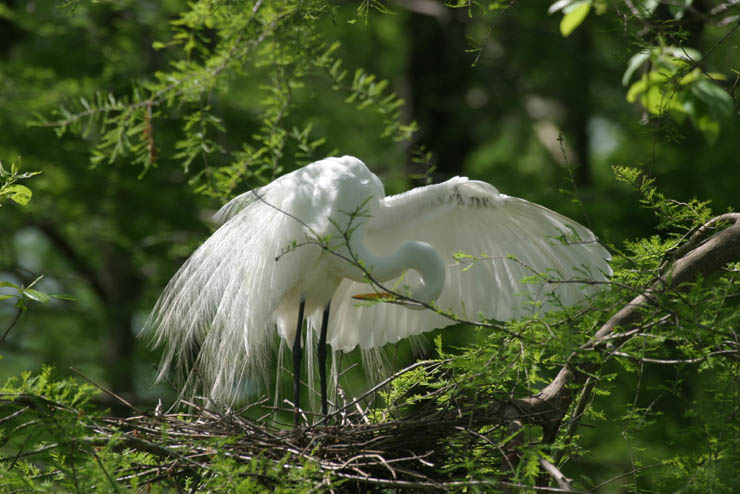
297 354
321 353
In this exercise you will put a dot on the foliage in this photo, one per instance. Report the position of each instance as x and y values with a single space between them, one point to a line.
673 80
215 45
675 85
21 195
574 13
9 189
671 214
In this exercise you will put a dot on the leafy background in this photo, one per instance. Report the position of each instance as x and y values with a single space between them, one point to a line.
143 117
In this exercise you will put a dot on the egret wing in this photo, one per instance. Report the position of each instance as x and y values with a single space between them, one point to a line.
493 245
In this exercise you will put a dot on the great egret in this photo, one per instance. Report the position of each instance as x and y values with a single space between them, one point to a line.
312 236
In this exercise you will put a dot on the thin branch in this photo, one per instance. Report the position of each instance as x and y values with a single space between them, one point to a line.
623 475
674 361
105 390
556 474
12 323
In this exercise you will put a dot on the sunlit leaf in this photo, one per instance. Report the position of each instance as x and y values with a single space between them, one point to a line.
636 89
35 295
559 5
18 193
634 63
709 128
692 76
574 17
678 8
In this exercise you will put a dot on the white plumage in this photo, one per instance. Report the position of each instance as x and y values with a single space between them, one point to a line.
217 315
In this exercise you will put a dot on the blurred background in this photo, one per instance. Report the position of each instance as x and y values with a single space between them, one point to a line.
506 99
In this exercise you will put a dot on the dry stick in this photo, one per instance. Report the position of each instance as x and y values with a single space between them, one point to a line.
555 473
105 390
382 383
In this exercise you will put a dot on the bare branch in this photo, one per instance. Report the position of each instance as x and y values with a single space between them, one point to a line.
556 474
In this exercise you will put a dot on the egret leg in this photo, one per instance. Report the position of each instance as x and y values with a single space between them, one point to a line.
297 355
321 353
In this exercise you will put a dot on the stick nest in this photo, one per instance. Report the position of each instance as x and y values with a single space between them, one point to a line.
412 446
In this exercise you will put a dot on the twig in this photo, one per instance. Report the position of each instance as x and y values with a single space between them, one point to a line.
12 323
556 474
622 475
105 390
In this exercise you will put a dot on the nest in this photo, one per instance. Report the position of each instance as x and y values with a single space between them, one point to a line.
416 444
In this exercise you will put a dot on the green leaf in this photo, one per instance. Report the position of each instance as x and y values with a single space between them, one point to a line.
635 62
62 296
692 76
38 278
35 295
559 5
19 193
636 89
657 100
718 101
574 17
709 128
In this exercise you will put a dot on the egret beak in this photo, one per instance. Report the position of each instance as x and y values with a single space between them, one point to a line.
387 298
375 296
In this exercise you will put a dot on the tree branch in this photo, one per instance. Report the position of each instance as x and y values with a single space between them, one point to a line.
555 473
549 405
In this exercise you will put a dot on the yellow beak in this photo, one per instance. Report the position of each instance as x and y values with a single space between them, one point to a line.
377 296
388 298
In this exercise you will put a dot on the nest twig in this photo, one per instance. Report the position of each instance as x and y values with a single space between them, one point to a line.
390 453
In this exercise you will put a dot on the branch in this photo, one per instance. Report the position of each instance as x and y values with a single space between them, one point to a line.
12 324
704 260
555 473
548 406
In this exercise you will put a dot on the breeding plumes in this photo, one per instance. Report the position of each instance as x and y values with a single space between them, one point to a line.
326 233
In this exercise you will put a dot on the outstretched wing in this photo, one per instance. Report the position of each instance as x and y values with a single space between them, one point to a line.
508 239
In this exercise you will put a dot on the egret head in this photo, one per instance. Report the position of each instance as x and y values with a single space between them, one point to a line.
424 259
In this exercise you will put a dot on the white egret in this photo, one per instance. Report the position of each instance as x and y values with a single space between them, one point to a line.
269 261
